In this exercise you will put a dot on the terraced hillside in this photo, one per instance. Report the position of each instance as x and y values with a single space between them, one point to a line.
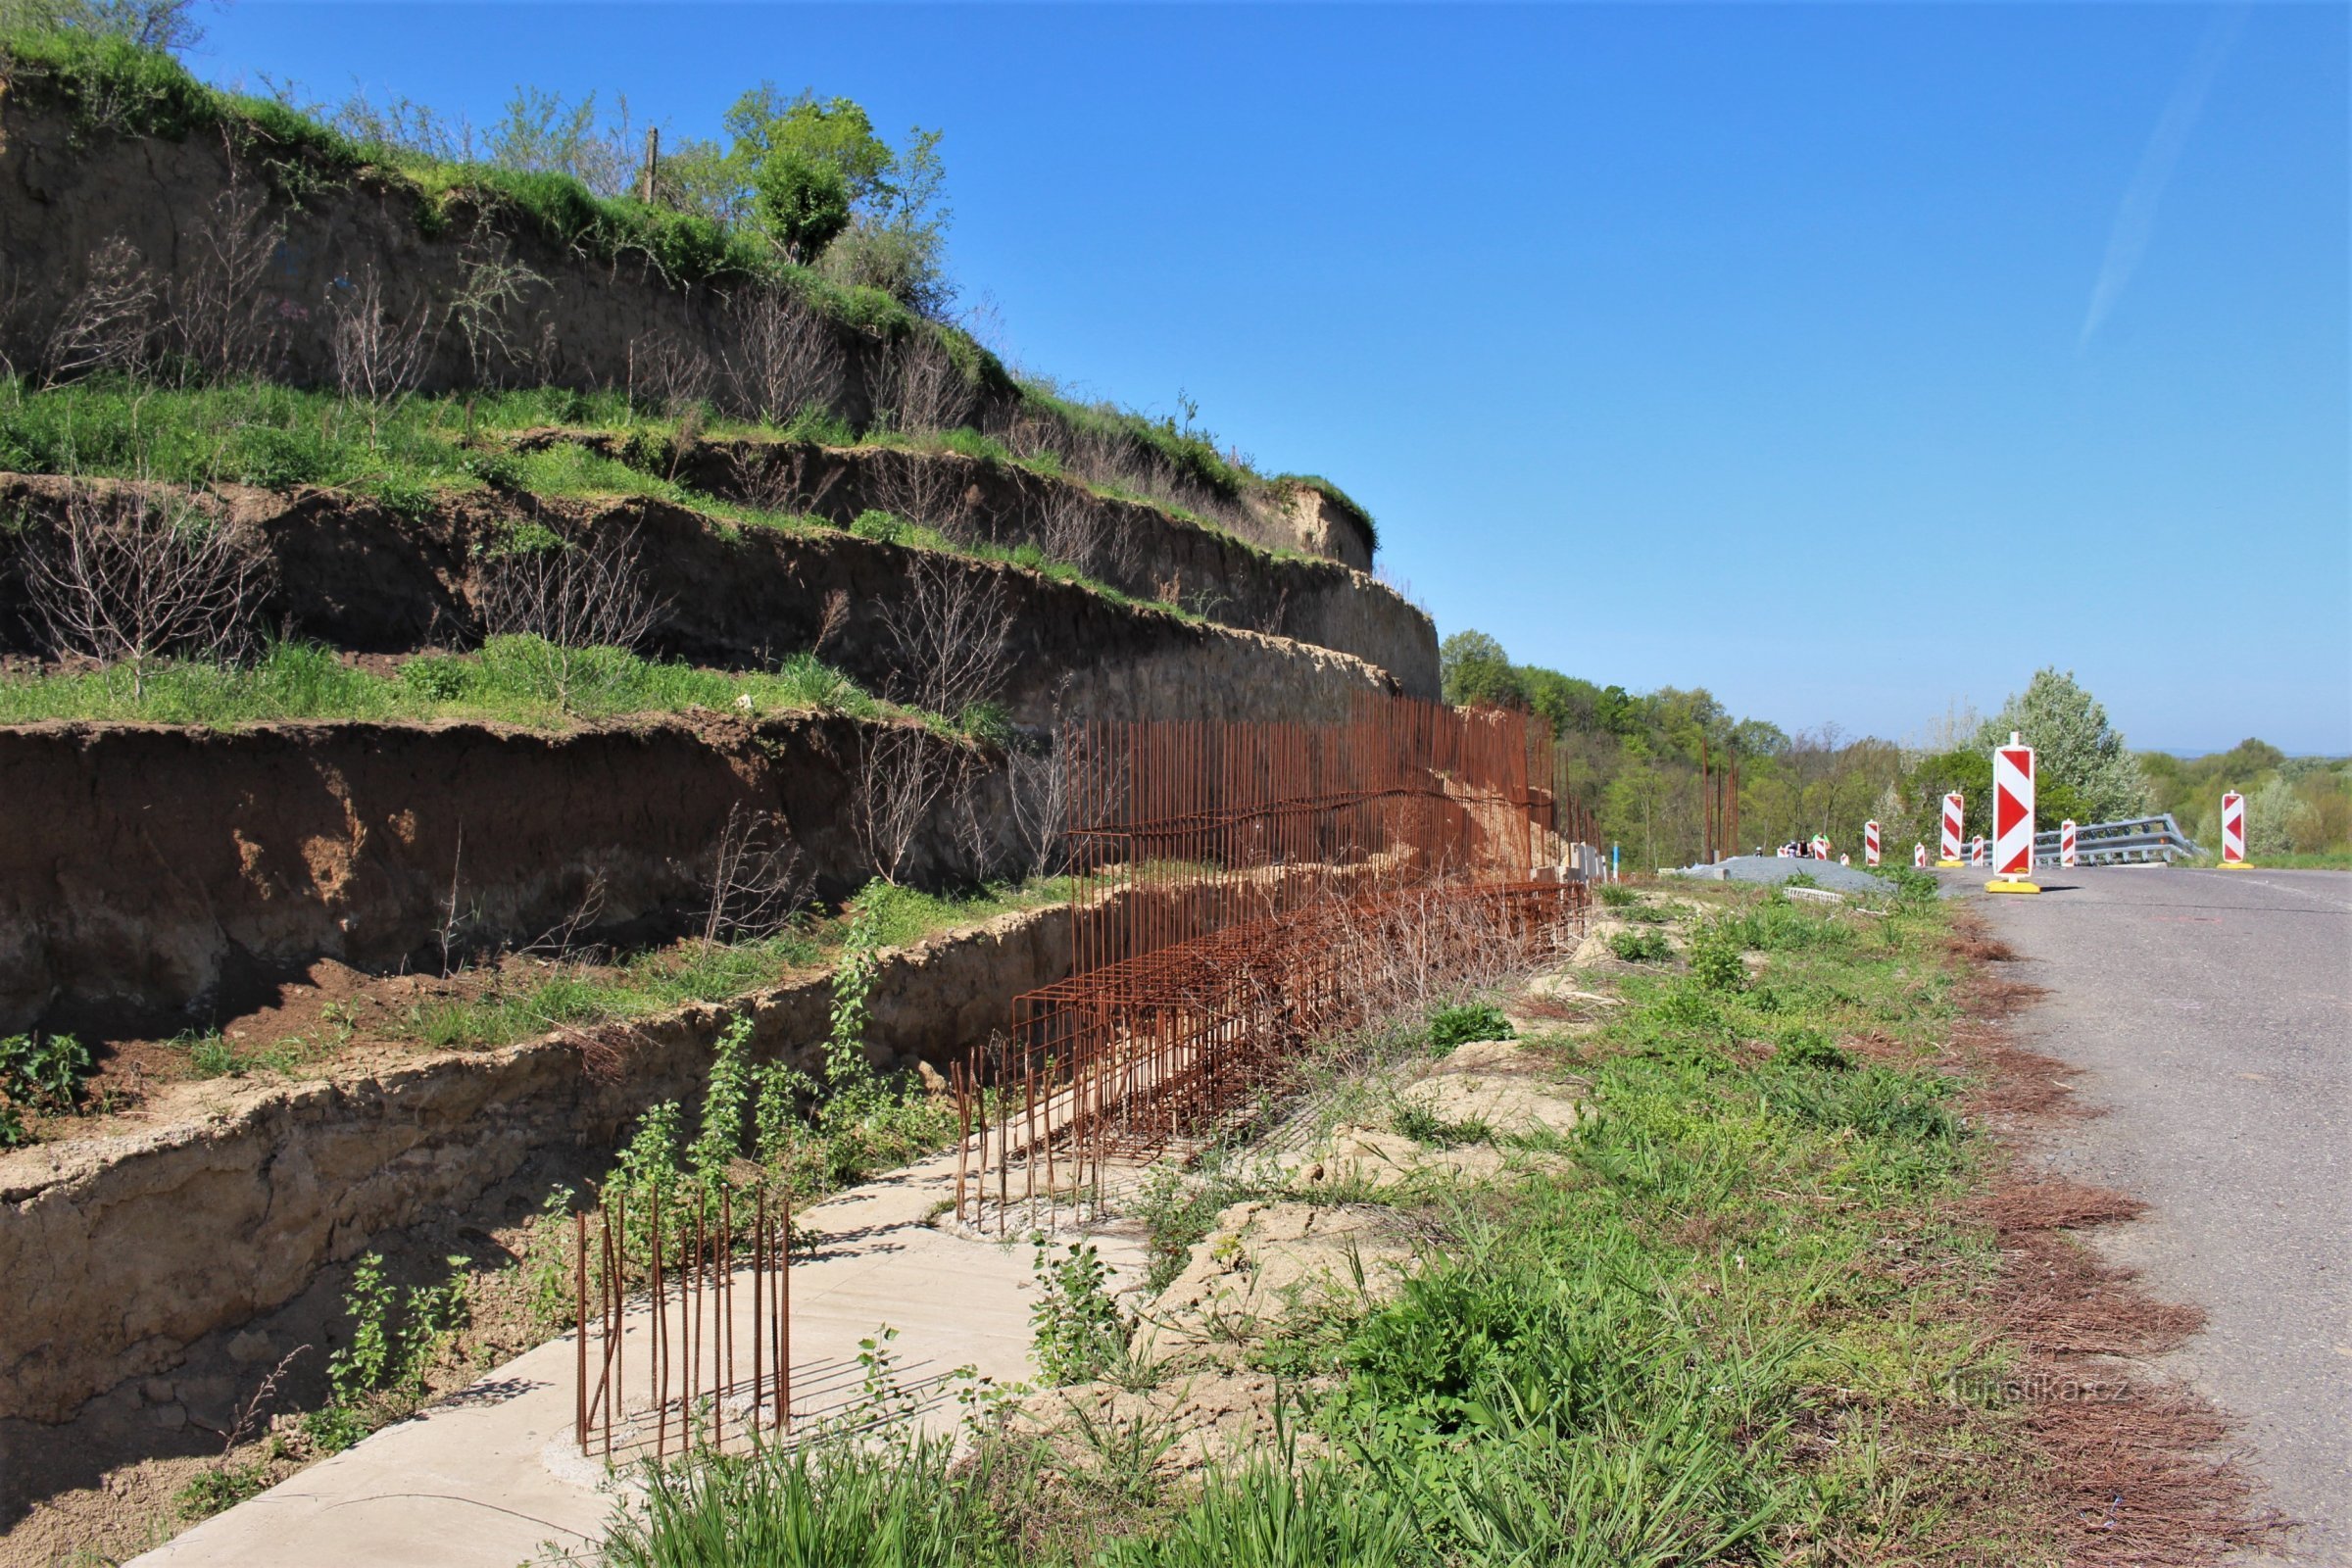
461 651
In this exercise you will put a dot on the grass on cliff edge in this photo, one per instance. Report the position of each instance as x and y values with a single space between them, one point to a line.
410 453
512 680
1729 1320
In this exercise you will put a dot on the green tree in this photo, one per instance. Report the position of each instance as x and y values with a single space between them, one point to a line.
2082 769
1472 668
802 204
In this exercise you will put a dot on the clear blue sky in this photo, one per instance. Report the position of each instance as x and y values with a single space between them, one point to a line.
1805 353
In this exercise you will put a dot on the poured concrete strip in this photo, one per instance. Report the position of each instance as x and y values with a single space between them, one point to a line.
493 1477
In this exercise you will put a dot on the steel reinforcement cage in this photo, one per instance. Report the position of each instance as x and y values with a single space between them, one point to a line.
1230 882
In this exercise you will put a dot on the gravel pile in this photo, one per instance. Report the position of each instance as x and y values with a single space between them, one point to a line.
1772 868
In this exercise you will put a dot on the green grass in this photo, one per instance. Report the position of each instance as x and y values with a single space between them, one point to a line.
412 454
659 981
512 680
1720 1323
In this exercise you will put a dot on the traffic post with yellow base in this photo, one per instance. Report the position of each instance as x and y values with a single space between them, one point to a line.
2233 833
2012 818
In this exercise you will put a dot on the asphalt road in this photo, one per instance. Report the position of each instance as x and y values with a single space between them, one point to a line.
2211 1015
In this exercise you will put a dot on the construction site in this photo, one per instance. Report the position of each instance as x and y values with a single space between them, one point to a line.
655 911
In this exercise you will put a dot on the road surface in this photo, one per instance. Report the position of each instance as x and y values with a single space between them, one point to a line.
2211 1015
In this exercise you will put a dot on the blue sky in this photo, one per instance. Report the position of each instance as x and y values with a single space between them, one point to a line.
1846 360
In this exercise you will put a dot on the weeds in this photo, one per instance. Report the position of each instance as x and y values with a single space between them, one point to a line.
377 1375
1640 947
40 1075
1078 1333
1449 1027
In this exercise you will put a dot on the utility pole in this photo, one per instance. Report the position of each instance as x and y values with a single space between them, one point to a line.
653 160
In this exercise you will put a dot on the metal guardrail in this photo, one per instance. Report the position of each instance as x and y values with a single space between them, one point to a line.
2137 840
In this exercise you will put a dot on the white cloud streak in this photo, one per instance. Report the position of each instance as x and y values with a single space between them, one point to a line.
2136 215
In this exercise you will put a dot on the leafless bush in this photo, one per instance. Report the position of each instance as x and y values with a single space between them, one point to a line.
949 634
784 360
757 885
1272 619
380 357
836 616
902 771
972 827
587 592
491 284
924 488
779 478
106 325
562 940
129 577
1411 951
1037 783
247 1420
926 392
671 374
217 312
1071 527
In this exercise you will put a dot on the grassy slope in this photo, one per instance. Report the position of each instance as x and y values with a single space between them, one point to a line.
111 85
512 680
1730 1321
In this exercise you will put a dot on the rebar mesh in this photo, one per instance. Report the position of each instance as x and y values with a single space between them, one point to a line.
1231 882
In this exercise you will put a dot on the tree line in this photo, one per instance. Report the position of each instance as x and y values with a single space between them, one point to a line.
1635 760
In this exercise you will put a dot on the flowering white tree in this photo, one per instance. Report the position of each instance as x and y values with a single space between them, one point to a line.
2082 766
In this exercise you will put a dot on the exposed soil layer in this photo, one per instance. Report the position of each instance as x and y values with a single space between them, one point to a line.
160 870
356 574
1136 548
120 1255
68 189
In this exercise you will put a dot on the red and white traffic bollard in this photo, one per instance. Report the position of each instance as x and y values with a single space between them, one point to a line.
2012 818
1870 844
2234 832
1976 850
2066 844
1919 856
1952 828
1821 846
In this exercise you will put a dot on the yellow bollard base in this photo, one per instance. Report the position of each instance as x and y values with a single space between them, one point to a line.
2236 866
1952 865
2005 885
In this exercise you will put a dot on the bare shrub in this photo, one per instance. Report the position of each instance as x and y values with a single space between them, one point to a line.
1411 951
587 592
1071 527
901 773
778 477
926 392
972 827
757 885
784 360
673 374
106 325
575 596
491 284
836 616
380 357
924 488
949 634
218 315
124 576
1037 783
